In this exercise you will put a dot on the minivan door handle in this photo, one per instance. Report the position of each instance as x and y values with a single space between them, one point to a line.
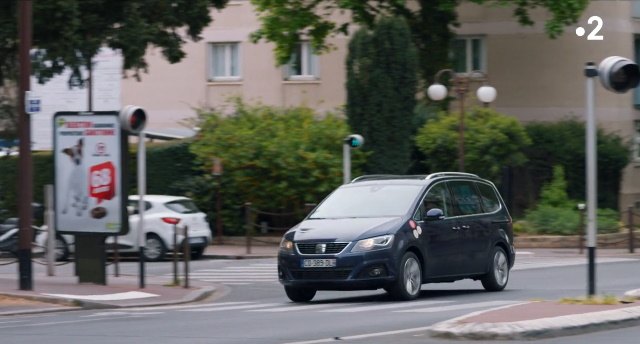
455 228
500 221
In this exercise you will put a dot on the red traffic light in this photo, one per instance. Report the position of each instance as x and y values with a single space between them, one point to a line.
133 118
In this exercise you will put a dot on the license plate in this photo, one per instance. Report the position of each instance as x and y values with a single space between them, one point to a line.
196 240
318 263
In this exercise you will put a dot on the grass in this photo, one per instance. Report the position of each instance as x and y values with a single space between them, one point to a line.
596 300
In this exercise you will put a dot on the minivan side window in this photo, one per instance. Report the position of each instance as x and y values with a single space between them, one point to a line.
437 197
467 201
489 198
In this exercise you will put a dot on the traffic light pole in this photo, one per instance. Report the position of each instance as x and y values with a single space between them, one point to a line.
346 163
591 73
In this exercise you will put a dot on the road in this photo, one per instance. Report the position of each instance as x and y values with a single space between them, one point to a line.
251 307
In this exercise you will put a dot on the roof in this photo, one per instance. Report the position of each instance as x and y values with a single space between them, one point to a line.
374 177
158 198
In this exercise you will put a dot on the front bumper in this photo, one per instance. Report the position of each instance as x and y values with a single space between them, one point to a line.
353 271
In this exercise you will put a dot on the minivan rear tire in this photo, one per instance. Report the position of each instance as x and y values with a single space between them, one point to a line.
409 282
298 294
497 276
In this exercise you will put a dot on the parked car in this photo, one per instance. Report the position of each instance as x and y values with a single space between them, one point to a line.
160 212
397 233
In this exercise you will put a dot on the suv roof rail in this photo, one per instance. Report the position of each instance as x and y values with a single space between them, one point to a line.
451 174
387 176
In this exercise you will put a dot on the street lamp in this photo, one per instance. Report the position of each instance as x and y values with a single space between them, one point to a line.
485 93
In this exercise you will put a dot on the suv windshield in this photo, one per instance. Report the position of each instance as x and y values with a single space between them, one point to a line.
182 206
368 201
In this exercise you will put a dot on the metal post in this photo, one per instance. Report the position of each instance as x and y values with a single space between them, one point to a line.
346 163
630 225
25 177
116 256
175 254
581 231
218 209
461 91
142 189
51 231
248 225
591 72
187 255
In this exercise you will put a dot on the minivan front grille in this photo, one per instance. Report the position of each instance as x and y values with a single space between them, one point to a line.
321 274
321 247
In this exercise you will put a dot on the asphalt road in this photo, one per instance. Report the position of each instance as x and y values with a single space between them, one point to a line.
251 307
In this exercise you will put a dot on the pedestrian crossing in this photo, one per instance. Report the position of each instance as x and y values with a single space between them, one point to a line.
268 272
425 306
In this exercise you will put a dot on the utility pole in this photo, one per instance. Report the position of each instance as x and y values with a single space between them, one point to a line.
25 175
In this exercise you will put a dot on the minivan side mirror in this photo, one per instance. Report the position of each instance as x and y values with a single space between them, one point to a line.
435 214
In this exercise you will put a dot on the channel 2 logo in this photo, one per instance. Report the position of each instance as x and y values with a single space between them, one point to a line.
594 34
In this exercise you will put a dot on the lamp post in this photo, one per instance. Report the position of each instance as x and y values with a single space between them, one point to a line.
460 82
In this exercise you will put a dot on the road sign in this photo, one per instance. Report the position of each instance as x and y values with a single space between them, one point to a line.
33 103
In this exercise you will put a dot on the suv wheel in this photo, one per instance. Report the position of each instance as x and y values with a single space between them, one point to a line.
297 294
407 286
498 276
154 249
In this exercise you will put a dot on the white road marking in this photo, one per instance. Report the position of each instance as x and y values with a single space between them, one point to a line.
163 308
107 297
300 308
539 263
384 306
458 307
365 335
215 309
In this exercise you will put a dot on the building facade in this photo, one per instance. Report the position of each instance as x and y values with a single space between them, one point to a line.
537 78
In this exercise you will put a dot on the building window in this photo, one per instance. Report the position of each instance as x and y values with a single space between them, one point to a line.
468 54
225 62
635 9
303 64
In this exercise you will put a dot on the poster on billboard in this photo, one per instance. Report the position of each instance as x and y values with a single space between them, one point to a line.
88 162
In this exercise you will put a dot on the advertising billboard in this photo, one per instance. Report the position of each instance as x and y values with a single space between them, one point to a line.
88 160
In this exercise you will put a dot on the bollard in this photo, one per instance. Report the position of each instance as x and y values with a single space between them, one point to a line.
631 238
248 225
175 254
187 255
116 256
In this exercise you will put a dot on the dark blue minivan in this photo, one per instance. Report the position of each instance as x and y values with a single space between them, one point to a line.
397 233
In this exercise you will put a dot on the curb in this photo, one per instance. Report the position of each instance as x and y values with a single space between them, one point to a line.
538 328
75 304
236 256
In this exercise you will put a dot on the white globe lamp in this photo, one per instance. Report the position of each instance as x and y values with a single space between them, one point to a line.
437 92
486 94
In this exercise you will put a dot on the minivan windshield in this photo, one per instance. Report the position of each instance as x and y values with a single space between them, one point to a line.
368 201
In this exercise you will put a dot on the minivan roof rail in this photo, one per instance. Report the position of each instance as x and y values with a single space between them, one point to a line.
451 174
387 176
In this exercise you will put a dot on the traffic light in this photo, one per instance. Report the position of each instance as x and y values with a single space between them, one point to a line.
354 140
618 74
133 118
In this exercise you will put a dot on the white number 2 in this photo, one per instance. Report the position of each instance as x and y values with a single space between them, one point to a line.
593 36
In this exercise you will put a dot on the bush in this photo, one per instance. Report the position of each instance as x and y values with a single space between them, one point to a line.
276 158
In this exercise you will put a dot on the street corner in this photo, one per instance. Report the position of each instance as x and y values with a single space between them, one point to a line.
21 304
537 319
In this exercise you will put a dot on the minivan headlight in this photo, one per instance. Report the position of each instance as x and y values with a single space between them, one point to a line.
375 243
286 246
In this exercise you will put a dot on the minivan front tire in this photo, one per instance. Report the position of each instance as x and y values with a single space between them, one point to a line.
297 294
409 282
498 275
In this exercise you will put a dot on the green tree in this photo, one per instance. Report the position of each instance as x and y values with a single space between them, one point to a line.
491 141
276 158
68 33
285 21
381 89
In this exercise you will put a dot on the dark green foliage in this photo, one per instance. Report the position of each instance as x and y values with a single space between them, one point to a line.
557 214
563 143
276 158
42 175
381 89
491 141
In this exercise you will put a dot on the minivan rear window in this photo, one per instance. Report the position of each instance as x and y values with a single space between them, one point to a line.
182 206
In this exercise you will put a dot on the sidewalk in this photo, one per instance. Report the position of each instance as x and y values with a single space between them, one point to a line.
527 320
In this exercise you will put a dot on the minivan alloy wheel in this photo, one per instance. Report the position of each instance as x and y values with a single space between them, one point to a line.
409 282
498 274
412 276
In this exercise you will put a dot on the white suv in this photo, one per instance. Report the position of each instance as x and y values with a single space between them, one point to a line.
159 216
